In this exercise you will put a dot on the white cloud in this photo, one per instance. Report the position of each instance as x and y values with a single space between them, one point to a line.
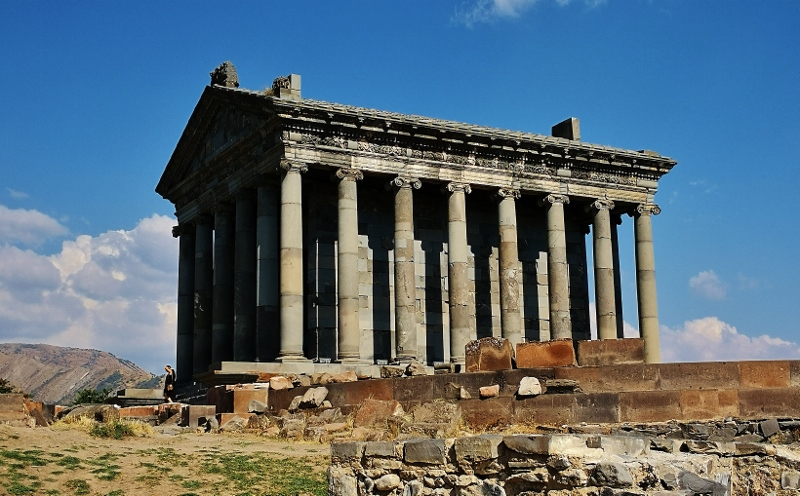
16 194
477 11
710 339
115 292
29 227
708 285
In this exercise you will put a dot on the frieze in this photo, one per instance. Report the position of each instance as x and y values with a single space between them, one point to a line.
605 177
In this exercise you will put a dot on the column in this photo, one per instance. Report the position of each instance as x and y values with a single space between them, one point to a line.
203 292
604 282
457 270
291 268
616 220
347 273
557 270
244 282
646 282
405 286
185 351
222 323
510 319
267 274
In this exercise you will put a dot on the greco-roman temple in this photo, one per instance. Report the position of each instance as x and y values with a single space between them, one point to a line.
314 234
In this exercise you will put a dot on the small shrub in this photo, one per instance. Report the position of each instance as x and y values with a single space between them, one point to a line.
78 486
91 396
6 387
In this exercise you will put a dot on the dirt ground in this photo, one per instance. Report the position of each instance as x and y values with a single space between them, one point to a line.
66 461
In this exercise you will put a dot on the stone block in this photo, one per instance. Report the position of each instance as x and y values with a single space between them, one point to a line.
191 414
429 451
547 409
224 418
794 373
596 407
565 444
618 378
772 402
413 388
477 448
649 406
488 413
348 376
708 375
374 413
623 445
597 352
243 397
557 353
347 452
12 407
385 449
611 475
489 353
138 411
769 427
279 383
765 374
709 404
313 397
527 444
490 391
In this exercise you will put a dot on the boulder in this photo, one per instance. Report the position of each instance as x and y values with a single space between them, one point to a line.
529 386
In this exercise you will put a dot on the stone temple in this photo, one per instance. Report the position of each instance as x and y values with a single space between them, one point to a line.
314 234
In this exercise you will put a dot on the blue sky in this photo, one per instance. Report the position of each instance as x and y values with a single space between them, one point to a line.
95 95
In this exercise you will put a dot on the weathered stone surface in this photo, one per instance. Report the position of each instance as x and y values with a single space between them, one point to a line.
535 480
790 479
557 353
561 386
416 368
313 397
319 379
280 382
611 474
490 391
388 372
430 451
769 427
348 376
602 352
617 445
387 482
101 413
699 485
347 452
527 444
295 404
477 448
529 386
380 448
191 414
256 406
341 481
374 413
764 374
488 353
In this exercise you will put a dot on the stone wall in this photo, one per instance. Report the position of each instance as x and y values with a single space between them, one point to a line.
563 465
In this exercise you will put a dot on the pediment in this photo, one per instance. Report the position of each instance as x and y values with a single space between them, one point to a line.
216 124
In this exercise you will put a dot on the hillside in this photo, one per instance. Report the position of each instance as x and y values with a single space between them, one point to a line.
54 374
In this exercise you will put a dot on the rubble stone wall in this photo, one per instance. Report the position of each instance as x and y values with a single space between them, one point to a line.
563 465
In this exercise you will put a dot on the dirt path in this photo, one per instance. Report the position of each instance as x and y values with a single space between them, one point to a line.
65 462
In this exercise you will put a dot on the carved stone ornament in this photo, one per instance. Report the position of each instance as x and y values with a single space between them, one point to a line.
453 187
293 167
406 182
604 177
509 193
554 198
280 82
225 75
349 174
647 209
602 204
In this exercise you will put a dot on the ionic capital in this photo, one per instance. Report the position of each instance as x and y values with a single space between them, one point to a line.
289 166
514 194
554 198
600 204
182 229
455 187
349 174
405 182
647 209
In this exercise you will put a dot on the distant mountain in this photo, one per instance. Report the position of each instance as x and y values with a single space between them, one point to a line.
54 374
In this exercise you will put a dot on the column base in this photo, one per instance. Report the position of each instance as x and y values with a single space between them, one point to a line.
292 359
353 361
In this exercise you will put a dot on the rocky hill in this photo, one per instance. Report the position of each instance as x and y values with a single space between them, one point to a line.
54 374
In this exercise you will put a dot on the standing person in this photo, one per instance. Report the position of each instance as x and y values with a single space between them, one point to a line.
169 384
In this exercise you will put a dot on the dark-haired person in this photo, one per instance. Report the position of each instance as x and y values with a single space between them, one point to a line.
169 384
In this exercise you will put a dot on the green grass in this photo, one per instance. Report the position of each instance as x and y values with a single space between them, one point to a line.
78 486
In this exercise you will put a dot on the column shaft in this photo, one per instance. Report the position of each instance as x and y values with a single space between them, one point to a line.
349 331
604 285
267 274
646 282
203 293
291 276
510 319
244 330
457 271
185 351
405 287
222 326
616 220
557 270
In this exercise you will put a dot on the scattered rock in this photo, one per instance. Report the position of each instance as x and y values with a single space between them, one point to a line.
529 386
256 406
416 368
279 383
490 391
388 372
313 397
373 413
349 376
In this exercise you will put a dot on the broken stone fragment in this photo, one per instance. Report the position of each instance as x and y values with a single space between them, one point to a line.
490 391
349 376
313 397
388 372
279 383
529 386
416 368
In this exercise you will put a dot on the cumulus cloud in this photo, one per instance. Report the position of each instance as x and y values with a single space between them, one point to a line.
478 11
115 292
27 227
710 339
708 285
